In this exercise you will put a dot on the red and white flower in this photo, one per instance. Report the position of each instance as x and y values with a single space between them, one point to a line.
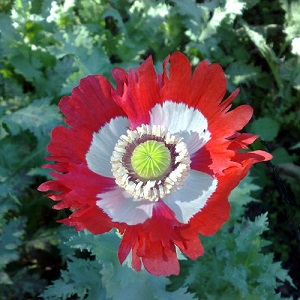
156 157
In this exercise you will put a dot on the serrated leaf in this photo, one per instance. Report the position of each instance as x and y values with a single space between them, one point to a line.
196 16
235 262
17 158
39 117
252 230
82 278
89 55
104 246
146 286
261 43
261 222
240 73
240 197
227 14
191 8
38 171
266 127
237 276
29 68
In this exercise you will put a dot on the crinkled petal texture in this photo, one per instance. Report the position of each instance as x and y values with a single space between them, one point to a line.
188 104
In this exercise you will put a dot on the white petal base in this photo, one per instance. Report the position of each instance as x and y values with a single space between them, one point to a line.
189 200
122 207
102 146
182 120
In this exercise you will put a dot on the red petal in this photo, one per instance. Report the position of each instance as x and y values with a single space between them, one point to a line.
68 145
226 125
91 105
191 245
159 260
91 218
138 92
50 185
226 104
136 261
215 213
252 157
209 87
242 141
177 78
127 243
204 89
153 243
214 157
82 185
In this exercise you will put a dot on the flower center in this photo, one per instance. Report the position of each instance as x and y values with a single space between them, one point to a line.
151 159
150 163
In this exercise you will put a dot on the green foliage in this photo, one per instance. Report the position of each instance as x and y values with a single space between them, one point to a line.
266 128
10 239
234 265
267 52
218 31
292 22
39 117
98 276
145 285
81 278
47 46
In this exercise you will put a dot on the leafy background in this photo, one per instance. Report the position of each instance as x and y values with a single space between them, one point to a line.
46 46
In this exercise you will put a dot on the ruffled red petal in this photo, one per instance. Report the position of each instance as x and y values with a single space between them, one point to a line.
91 218
153 242
227 124
91 105
160 260
191 245
176 74
137 92
79 184
68 145
204 89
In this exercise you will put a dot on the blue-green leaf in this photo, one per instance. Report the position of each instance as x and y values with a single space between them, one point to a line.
39 117
266 127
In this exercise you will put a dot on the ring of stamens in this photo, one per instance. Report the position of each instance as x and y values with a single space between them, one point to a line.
169 180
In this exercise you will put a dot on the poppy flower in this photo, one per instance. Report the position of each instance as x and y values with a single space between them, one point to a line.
155 157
